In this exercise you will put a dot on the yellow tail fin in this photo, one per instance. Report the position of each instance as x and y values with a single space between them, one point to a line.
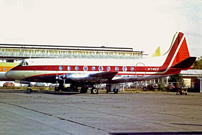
157 52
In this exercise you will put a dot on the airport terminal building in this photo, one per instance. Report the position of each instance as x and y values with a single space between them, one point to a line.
193 79
10 52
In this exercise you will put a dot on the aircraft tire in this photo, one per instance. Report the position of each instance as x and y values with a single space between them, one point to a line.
57 89
107 91
29 90
116 91
83 90
94 91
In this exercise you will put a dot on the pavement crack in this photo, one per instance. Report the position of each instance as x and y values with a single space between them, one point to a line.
60 118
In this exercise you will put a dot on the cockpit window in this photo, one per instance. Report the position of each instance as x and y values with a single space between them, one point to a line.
24 63
21 63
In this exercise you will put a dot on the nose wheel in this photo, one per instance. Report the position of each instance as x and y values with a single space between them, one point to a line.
29 90
94 90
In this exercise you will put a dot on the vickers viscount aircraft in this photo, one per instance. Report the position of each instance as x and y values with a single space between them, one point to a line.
85 73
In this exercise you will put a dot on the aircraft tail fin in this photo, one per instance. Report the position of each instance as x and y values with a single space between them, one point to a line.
178 54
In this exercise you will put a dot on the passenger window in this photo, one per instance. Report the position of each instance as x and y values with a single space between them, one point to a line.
77 68
100 68
60 68
132 68
69 68
117 68
124 68
108 68
93 68
85 68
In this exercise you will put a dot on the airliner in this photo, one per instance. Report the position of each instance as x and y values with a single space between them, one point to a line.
86 73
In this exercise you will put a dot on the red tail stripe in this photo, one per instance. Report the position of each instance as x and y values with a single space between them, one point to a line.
173 50
182 54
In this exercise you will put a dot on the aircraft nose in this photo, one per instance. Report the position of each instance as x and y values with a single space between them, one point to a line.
9 75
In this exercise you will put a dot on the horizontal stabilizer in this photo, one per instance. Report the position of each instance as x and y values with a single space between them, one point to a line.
187 63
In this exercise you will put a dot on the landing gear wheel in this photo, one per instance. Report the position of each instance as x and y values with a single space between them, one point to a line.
116 91
57 89
29 90
74 88
61 86
107 91
83 90
94 91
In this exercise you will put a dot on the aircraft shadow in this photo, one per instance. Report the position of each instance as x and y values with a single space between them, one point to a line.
60 92
159 133
11 91
37 92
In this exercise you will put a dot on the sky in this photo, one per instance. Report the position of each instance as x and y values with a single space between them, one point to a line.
143 25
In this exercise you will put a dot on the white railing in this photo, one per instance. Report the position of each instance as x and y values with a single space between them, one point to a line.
16 52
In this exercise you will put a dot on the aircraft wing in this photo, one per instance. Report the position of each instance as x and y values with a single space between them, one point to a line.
98 77
105 75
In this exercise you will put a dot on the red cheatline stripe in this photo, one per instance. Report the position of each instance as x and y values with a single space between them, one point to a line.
170 71
89 68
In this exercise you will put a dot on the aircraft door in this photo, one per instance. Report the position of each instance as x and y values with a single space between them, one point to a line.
140 70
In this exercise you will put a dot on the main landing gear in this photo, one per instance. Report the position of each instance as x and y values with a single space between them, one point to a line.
94 90
74 87
113 88
84 89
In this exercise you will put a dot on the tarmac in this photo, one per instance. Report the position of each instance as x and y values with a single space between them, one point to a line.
40 113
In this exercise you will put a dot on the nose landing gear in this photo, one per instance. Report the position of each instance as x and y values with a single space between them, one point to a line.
29 90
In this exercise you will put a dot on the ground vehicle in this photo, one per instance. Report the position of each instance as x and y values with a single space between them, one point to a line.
170 86
152 86
7 84
39 85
